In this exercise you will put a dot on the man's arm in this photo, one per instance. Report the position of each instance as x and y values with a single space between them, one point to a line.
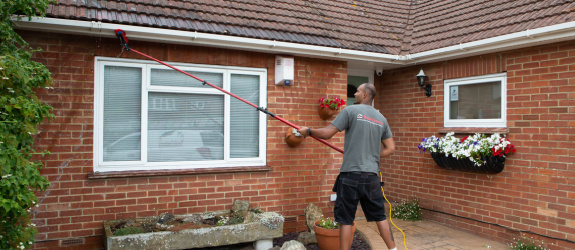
388 147
321 133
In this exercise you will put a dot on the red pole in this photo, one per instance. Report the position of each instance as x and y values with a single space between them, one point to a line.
220 89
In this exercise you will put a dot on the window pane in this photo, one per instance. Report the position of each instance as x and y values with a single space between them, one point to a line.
476 101
185 127
353 83
168 77
244 122
122 107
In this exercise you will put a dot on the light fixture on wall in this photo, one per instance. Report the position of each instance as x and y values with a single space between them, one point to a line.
421 81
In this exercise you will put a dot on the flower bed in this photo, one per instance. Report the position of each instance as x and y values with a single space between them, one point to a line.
477 153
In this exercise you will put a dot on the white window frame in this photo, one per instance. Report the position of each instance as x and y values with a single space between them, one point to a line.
487 123
147 66
363 73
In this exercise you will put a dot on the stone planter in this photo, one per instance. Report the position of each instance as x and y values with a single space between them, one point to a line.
493 164
194 238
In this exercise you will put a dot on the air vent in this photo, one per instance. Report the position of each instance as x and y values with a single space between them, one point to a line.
71 242
290 219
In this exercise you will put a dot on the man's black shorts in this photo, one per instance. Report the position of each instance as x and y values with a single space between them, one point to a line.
354 187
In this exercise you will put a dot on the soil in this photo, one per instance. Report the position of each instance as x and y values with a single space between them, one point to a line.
359 243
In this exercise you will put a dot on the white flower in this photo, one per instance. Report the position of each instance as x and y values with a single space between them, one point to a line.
5 78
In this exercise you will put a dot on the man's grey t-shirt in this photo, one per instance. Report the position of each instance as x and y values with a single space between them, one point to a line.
365 128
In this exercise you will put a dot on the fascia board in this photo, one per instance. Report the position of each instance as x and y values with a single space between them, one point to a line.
197 38
527 38
549 34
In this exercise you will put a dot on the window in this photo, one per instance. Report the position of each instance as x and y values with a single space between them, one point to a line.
478 101
356 77
150 117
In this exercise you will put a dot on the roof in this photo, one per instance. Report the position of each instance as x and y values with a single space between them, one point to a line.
389 27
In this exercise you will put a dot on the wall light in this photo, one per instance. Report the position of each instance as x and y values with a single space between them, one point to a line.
421 81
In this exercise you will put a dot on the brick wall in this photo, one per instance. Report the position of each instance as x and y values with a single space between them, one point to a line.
535 191
73 207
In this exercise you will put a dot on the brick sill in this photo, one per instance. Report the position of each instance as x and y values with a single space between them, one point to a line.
465 130
147 173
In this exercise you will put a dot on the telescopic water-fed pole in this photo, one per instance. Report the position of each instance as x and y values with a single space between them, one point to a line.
124 40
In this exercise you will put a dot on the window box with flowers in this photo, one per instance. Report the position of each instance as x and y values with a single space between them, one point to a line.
476 153
329 106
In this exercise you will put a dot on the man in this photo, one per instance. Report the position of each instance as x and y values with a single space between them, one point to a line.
365 131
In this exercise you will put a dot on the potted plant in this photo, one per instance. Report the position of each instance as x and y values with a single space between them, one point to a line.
329 106
327 233
477 153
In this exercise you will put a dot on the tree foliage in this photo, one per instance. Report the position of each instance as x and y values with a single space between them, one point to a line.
20 114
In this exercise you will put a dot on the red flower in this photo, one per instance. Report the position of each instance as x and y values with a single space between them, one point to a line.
464 138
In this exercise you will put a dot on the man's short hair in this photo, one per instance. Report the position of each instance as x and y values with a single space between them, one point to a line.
370 89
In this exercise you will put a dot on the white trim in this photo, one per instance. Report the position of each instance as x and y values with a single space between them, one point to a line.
487 123
548 34
146 66
196 38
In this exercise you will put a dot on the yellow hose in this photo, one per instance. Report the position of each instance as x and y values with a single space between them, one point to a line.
381 179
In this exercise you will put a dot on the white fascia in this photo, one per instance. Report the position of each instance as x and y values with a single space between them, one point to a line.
527 38
197 38
549 34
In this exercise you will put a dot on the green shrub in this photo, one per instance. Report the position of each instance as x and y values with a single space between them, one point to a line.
128 230
328 223
526 244
20 114
407 210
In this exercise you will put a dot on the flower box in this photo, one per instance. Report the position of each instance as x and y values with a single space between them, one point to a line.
476 153
493 164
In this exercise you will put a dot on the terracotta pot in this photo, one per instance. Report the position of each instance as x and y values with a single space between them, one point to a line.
291 139
328 239
326 113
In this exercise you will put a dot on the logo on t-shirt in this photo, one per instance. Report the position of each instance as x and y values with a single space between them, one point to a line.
361 117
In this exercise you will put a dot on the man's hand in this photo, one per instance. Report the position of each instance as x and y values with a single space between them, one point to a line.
303 131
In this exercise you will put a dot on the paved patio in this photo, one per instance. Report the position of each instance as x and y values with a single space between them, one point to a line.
427 235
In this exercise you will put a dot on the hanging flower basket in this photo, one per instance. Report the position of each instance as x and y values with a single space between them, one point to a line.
326 113
477 153
329 106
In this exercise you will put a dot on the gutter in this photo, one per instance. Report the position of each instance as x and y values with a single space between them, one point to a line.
527 38
549 34
196 38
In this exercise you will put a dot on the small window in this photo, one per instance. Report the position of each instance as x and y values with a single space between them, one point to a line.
478 101
150 117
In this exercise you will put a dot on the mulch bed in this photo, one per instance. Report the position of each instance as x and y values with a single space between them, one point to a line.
359 243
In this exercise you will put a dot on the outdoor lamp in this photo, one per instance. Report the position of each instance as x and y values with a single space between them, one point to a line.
421 81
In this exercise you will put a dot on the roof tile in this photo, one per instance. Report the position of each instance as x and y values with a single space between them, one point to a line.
369 25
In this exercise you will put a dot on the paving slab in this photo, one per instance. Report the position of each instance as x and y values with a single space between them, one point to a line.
427 235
